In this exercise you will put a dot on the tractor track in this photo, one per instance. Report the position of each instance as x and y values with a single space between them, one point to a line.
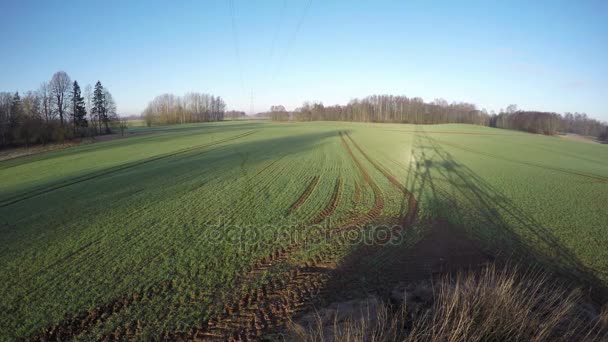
268 307
259 310
81 322
331 205
85 320
412 203
84 178
304 195
357 195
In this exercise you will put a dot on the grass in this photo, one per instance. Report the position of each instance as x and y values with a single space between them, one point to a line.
169 221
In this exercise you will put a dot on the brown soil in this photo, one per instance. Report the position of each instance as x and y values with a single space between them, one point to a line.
305 194
357 196
84 321
331 205
268 307
290 289
412 203
378 196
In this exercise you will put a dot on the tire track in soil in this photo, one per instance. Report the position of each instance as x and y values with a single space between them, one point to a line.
346 282
83 321
86 320
299 285
260 310
304 195
357 195
243 317
78 324
111 170
331 205
412 203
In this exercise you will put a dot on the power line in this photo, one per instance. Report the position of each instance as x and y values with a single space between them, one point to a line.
276 34
293 38
235 39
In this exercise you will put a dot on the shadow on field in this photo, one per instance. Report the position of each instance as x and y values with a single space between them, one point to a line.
237 155
498 223
144 173
156 135
455 238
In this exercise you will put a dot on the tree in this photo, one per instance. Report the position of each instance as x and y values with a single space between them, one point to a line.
168 109
511 109
110 110
44 92
99 104
123 125
60 87
6 100
16 105
603 136
79 112
88 98
279 113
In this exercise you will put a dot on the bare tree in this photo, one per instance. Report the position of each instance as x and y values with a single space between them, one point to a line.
109 114
168 109
60 88
88 100
46 101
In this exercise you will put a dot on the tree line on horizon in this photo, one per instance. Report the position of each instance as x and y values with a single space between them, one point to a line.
235 115
401 109
56 111
169 109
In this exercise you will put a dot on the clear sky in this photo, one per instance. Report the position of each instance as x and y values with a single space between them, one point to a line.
541 55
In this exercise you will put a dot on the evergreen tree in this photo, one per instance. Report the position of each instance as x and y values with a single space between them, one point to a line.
79 111
16 111
99 107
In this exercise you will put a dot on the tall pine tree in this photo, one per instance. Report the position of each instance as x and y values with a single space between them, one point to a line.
79 111
99 106
16 111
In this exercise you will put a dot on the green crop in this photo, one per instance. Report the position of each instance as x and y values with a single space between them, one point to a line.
168 221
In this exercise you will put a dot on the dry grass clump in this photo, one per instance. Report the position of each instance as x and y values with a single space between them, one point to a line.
493 304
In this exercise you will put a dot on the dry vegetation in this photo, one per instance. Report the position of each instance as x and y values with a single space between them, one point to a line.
494 304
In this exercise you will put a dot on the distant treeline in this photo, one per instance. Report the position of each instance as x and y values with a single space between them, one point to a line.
54 112
401 109
169 109
235 115
548 123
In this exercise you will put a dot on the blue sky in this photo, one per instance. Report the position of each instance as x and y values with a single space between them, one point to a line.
541 55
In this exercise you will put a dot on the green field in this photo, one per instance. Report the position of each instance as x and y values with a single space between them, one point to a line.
158 229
